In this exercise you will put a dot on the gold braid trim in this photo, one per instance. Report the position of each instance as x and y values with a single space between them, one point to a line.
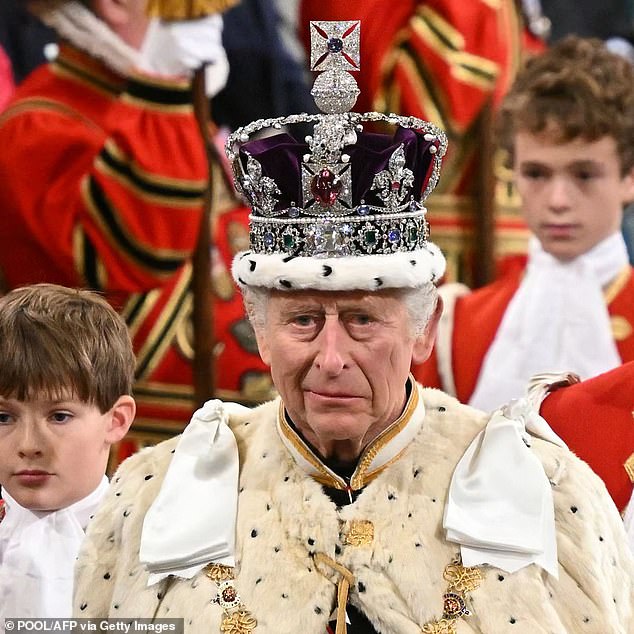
186 9
346 580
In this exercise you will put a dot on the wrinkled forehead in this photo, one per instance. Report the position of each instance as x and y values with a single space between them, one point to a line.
384 300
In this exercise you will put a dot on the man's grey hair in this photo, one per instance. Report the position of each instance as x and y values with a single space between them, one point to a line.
420 303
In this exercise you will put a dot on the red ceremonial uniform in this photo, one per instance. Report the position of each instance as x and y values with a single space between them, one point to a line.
476 319
102 181
446 61
596 419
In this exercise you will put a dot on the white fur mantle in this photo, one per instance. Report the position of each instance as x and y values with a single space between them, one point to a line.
284 517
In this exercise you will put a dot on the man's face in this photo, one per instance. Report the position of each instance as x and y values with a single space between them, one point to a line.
127 18
52 453
572 193
340 362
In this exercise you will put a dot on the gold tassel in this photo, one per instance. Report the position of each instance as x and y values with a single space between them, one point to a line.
186 9
343 587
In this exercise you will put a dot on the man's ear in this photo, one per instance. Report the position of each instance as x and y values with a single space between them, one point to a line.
121 416
425 342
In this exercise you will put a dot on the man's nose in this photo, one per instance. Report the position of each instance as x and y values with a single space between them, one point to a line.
31 439
559 194
332 345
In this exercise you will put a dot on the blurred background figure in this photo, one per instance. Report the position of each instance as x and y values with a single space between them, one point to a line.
25 42
567 125
265 60
104 187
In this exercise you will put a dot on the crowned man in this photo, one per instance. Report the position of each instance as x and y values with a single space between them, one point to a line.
357 500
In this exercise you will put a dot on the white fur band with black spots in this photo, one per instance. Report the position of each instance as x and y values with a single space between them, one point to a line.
368 273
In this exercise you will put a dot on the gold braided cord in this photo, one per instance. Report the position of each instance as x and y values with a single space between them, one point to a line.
343 587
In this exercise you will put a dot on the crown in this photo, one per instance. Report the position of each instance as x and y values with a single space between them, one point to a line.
343 192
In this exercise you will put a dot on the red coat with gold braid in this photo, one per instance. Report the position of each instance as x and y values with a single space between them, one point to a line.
475 320
447 61
596 419
102 181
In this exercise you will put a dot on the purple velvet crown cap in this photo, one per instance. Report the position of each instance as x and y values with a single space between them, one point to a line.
281 155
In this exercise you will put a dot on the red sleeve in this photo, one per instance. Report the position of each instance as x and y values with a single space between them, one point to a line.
596 419
108 186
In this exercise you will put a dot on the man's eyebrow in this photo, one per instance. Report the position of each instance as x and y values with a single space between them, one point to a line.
586 163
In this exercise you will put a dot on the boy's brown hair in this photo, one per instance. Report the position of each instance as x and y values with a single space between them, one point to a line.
575 89
60 342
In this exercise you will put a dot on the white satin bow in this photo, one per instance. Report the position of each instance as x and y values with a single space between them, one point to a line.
500 505
192 520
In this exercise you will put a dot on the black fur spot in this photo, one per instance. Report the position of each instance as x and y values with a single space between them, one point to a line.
288 258
252 265
285 284
412 262
378 281
574 509
327 270
148 477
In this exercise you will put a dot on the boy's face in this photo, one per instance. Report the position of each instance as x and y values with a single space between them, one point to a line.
54 453
572 193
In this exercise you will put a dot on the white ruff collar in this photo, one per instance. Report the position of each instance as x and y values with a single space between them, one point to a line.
82 28
37 557
557 321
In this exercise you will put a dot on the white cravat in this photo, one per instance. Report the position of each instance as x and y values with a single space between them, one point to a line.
37 557
192 520
556 321
500 505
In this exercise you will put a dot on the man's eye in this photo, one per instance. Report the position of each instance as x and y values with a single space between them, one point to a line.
5 418
61 417
584 175
533 173
304 320
360 319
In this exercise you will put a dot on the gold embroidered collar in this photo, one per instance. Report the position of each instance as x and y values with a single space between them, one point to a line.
385 449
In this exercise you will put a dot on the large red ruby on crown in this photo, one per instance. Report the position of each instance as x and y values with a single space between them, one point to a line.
326 187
